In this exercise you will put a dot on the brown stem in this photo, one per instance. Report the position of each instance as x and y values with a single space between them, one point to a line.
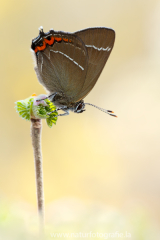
36 127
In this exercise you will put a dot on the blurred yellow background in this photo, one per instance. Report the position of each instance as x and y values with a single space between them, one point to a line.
89 156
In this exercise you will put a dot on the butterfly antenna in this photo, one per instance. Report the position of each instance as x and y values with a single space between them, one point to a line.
103 110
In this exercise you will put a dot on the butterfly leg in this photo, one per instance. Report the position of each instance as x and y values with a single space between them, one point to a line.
52 96
61 108
64 114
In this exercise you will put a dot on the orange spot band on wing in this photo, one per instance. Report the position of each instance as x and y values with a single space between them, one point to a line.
65 39
58 39
42 47
50 42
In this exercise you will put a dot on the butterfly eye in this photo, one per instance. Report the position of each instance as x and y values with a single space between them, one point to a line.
79 107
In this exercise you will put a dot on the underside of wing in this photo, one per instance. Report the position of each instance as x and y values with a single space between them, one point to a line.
99 44
62 66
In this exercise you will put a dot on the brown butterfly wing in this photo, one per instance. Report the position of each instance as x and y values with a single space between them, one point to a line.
99 43
62 67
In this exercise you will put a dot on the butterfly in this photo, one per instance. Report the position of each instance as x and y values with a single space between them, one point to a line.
68 65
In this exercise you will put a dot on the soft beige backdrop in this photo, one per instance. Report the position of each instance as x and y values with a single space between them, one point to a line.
89 156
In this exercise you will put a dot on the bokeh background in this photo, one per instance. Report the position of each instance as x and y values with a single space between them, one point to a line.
99 172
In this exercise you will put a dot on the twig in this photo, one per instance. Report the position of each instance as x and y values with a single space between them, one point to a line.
36 127
29 109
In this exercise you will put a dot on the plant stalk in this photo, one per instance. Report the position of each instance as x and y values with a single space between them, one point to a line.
36 128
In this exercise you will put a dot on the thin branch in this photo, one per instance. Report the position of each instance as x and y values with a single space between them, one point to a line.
36 127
